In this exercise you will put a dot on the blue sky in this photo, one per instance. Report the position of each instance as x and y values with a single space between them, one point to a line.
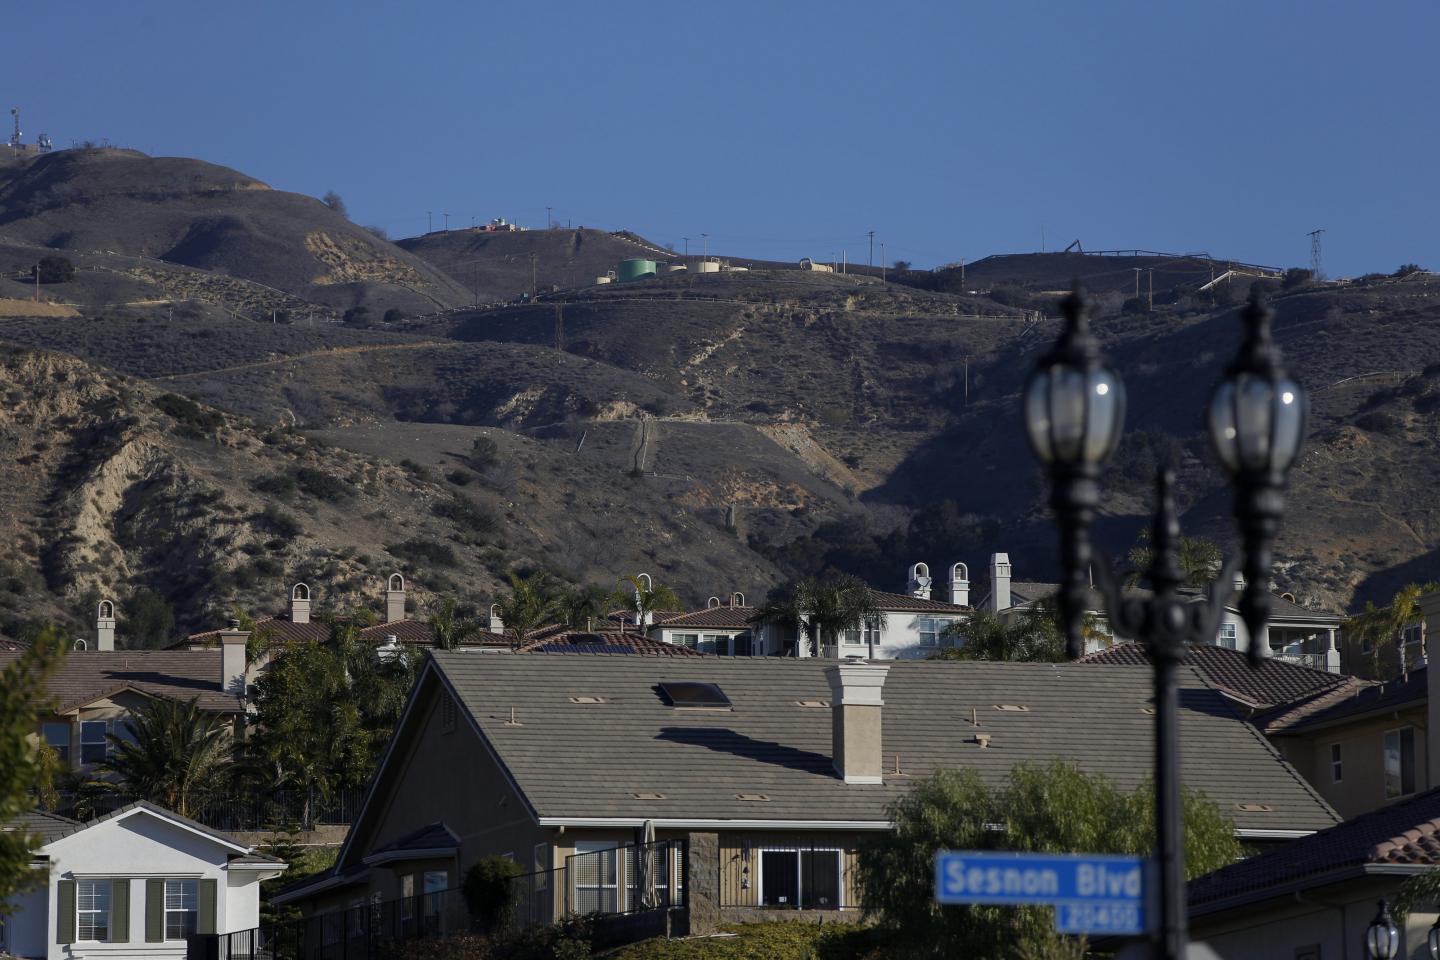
783 129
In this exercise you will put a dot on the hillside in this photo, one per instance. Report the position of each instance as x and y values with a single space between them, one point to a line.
146 219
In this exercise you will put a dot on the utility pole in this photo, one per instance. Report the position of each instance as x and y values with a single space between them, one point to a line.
1151 306
559 330
706 238
548 219
871 262
962 271
687 247
1137 281
534 276
882 261
1316 267
37 267
967 379
447 221
429 222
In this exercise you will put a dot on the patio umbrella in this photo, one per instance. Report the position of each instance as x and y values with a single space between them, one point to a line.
643 878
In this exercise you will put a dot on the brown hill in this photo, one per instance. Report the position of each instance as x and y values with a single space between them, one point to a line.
149 215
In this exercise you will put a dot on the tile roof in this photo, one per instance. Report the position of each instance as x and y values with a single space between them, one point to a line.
1276 682
1361 698
276 628
85 676
8 643
607 643
39 823
776 743
1280 608
727 618
903 602
1406 833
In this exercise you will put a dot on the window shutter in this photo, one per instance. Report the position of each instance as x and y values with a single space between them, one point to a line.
154 911
205 922
119 911
65 910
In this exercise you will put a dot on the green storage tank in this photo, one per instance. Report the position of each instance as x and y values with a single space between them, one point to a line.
636 269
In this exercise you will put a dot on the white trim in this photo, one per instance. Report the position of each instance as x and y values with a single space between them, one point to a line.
695 824
420 853
1264 834
158 815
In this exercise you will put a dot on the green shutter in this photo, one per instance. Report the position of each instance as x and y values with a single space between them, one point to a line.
205 923
119 911
154 911
66 912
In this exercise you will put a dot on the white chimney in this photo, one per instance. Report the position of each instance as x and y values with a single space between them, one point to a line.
855 714
105 625
919 581
960 584
496 624
233 661
1239 582
300 604
999 582
395 598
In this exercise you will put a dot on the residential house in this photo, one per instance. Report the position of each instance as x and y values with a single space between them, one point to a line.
720 628
1312 898
771 770
92 693
133 883
1293 633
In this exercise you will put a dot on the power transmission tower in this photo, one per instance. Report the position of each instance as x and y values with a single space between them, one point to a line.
1316 267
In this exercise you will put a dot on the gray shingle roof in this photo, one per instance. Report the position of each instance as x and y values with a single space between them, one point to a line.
38 823
86 675
1276 682
562 754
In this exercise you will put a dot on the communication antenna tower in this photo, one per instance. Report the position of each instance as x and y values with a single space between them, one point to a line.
15 137
43 143
1315 264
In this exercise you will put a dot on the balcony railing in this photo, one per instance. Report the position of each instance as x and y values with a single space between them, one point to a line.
1315 661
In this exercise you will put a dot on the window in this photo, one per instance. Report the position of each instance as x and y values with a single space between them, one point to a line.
930 630
1411 634
1227 636
433 907
407 904
1336 769
868 633
595 869
182 908
93 745
1400 762
92 910
57 735
691 640
715 643
742 646
800 879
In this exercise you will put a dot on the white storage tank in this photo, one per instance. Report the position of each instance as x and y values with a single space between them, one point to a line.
707 265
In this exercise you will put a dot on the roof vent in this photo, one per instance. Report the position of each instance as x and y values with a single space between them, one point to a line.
1254 807
753 797
587 699
694 694
648 796
1012 708
812 703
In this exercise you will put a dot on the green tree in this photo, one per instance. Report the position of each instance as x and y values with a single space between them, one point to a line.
577 606
822 609
644 596
54 269
1200 559
325 711
529 606
19 749
1038 809
178 756
146 620
1031 636
1381 628
449 628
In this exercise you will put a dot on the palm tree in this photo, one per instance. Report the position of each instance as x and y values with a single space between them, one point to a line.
1031 636
448 628
530 605
1200 559
578 606
1380 627
646 596
823 609
175 757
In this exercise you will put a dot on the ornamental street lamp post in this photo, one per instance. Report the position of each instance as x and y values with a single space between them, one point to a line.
1074 410
1382 938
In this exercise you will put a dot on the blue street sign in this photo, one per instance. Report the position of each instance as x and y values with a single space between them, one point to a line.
1091 893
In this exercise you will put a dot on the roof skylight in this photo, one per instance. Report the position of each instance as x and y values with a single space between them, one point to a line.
694 694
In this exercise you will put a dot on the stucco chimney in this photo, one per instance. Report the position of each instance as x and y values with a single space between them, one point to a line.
105 625
960 584
232 659
1430 610
918 583
496 624
395 598
999 582
855 708
300 603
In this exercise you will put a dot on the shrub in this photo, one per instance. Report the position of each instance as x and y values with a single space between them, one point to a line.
54 269
394 315
280 485
188 413
450 948
421 552
484 453
279 523
333 201
146 619
468 515
489 890
323 486
1404 270
460 478
1378 421
1296 277
1133 305
356 317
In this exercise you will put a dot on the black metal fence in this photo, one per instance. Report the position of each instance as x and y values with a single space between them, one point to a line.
622 894
795 876
253 811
